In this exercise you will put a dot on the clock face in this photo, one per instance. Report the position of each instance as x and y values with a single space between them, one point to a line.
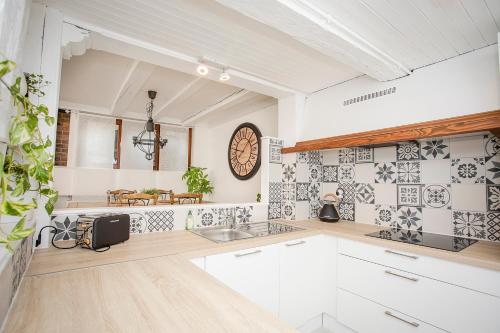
244 151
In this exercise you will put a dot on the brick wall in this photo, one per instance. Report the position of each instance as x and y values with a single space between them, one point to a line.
62 138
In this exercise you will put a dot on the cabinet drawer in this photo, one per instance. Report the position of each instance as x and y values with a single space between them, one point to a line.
483 280
364 316
450 307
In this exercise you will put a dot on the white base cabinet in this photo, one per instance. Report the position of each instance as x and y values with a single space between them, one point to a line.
254 273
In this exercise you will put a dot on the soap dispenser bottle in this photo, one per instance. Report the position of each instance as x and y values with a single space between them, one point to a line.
189 221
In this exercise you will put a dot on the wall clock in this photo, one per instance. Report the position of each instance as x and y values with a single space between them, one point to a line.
244 151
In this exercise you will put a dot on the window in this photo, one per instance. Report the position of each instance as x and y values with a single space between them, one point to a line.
95 142
173 157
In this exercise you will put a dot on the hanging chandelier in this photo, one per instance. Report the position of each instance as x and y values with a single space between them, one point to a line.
149 140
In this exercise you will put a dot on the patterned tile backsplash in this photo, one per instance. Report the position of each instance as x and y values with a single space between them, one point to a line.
441 185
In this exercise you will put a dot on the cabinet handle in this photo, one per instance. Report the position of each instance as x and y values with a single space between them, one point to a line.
401 254
237 255
412 323
402 276
293 244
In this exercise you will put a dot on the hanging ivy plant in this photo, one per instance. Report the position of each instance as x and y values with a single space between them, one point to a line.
26 166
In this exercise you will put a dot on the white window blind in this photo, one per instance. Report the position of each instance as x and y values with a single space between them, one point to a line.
131 157
173 157
96 137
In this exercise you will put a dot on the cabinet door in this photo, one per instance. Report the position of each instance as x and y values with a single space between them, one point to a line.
254 273
301 280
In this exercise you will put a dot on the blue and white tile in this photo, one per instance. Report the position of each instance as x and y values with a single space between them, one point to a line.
468 170
435 148
314 191
364 155
314 157
385 172
347 173
138 223
408 172
329 188
346 192
289 192
408 151
410 195
275 155
468 146
386 215
315 173
347 155
160 220
289 172
65 225
409 218
469 224
314 207
275 191
274 210
437 196
302 157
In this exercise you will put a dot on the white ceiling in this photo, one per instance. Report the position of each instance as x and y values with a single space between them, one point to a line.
305 45
111 84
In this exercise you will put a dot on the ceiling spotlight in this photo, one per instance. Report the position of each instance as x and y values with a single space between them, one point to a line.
224 76
202 69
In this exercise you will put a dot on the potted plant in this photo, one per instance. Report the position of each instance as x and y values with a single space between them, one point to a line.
197 181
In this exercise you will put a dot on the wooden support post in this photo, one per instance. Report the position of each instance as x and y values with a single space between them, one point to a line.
190 145
156 161
118 144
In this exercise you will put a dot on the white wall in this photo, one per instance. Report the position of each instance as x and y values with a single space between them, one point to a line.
210 150
463 85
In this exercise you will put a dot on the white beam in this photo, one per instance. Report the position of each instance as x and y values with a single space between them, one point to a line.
138 74
117 43
189 120
194 84
83 107
317 29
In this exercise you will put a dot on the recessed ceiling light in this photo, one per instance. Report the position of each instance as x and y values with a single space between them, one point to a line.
224 76
202 69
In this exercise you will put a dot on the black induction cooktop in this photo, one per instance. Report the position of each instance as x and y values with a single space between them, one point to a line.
443 242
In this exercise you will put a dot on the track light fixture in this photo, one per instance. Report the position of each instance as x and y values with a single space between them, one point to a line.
224 76
202 69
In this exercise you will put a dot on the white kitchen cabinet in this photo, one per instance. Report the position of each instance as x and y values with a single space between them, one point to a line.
364 316
254 273
301 279
199 262
441 304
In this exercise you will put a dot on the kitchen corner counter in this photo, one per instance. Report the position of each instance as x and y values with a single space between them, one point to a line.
148 284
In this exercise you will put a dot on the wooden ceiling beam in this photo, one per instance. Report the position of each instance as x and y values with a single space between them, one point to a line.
477 122
317 29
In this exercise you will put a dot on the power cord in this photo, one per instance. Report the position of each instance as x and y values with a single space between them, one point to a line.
80 241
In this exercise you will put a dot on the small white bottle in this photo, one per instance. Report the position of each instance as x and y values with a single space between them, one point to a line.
189 221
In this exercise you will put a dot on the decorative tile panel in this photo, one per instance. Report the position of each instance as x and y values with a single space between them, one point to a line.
302 157
346 192
275 189
409 218
385 172
160 220
302 191
137 223
274 210
435 149
386 215
289 172
346 211
288 192
244 214
330 173
347 173
364 155
468 170
315 173
410 195
491 145
288 210
437 196
493 169
275 154
365 193
314 191
346 155
408 151
493 197
66 227
408 172
469 224
314 157
314 207
19 264
493 226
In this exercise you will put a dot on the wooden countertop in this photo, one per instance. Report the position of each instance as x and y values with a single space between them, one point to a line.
148 285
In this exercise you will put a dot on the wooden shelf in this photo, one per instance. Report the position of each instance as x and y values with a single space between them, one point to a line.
478 122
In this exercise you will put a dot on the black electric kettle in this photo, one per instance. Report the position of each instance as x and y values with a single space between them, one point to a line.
328 213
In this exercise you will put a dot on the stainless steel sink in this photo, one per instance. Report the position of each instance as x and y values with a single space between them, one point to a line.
223 234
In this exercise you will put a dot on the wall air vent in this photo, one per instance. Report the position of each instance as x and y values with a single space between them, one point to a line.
367 97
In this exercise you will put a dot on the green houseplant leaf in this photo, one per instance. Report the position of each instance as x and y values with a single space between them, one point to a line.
197 180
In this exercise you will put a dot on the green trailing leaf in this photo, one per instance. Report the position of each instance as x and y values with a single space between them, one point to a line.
197 180
27 166
19 232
